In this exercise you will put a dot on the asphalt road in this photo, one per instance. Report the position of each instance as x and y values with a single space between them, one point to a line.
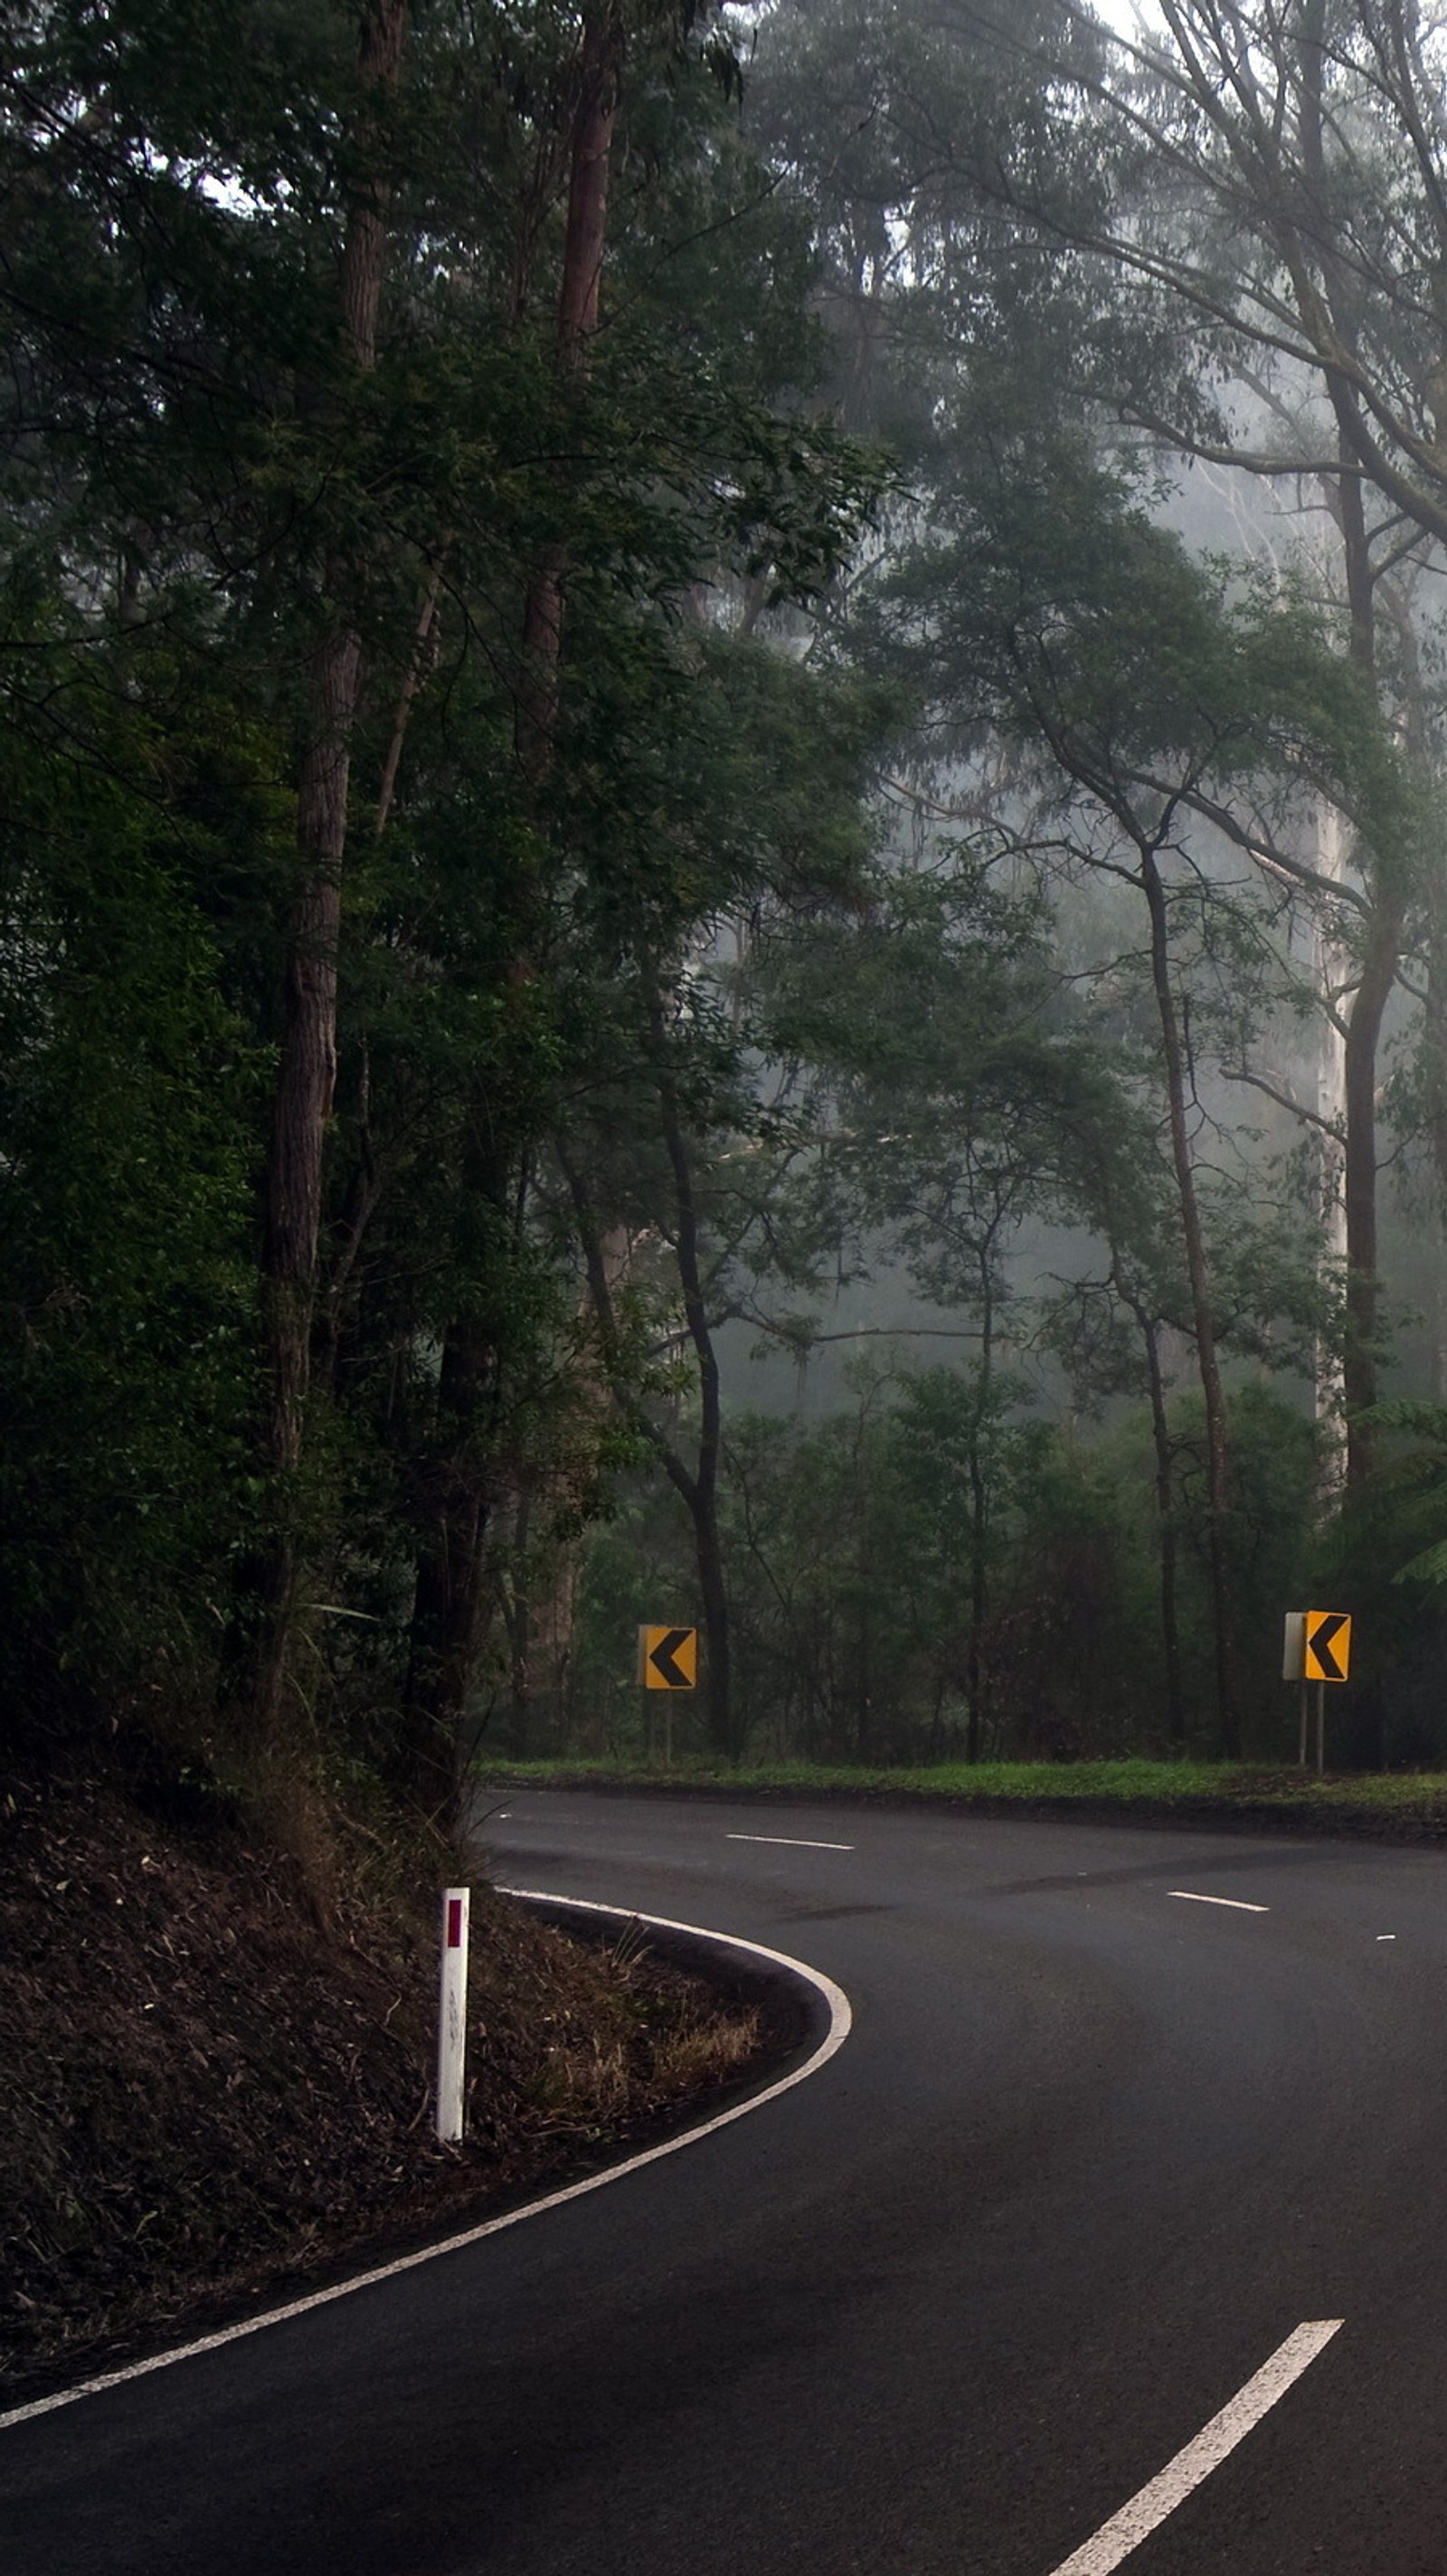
1092 2154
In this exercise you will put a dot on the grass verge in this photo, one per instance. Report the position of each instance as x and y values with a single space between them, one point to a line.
1396 1805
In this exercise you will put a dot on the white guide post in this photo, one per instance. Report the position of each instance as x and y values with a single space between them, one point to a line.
452 2014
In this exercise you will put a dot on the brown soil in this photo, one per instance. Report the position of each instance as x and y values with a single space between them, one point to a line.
203 2093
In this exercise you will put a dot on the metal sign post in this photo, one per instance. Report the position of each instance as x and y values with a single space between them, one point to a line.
668 1662
1293 1669
452 2014
1316 1647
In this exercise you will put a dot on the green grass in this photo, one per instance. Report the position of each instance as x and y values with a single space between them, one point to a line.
1398 1797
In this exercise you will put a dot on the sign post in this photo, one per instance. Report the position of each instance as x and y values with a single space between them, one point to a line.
1316 1647
1293 1669
668 1661
452 2014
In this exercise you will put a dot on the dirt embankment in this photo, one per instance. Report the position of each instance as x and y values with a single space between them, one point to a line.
203 2094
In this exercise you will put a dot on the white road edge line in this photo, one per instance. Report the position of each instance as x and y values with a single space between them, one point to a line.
840 2024
794 1841
1237 1904
1137 2520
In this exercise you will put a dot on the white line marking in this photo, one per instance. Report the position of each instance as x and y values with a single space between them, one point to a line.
1386 1936
1137 2520
1237 1904
840 2022
796 1842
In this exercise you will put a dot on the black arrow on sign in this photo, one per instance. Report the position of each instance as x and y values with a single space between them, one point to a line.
662 1659
1320 1642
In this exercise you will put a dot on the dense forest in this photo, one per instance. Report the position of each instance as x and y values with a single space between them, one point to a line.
723 877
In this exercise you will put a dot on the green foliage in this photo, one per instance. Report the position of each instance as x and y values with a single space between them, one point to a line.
196 479
127 1093
1410 1498
1220 1793
730 953
860 1630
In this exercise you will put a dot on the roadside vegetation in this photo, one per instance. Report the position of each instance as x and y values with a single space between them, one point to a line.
204 2095
1392 1803
1131 1788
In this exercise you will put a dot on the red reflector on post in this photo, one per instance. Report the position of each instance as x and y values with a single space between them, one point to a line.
452 2015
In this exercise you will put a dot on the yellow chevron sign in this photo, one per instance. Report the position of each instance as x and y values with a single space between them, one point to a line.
1326 1645
668 1658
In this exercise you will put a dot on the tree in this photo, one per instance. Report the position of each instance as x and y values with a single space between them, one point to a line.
127 1096
288 423
1275 182
953 1083
1222 235
1060 615
672 1143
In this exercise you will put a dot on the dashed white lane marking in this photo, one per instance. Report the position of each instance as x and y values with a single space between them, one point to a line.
1386 1936
1137 2520
796 1842
1237 1904
840 2023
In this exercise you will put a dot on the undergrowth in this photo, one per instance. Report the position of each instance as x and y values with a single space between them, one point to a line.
1206 1787
206 2089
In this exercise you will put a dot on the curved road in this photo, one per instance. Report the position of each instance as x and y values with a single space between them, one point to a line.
1096 2149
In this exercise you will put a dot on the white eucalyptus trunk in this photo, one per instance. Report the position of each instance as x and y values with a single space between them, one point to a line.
1330 971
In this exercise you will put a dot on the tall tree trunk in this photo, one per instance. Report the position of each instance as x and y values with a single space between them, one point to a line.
1381 956
519 1619
445 1612
1383 944
449 1579
423 653
1359 1362
1329 1105
713 1591
306 1074
1434 1049
1165 1512
698 1490
979 1528
583 248
1202 1315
